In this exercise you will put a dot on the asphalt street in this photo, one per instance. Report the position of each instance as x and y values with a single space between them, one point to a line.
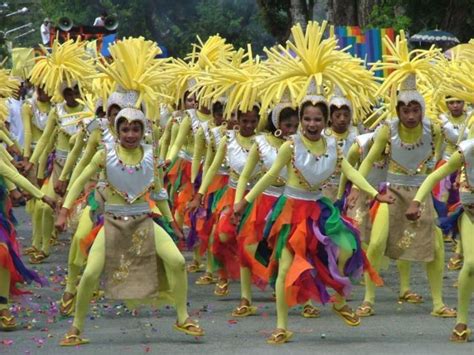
112 329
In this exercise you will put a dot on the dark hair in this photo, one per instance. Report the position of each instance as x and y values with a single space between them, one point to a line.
322 106
401 103
285 114
217 107
110 107
124 119
334 108
255 109
104 13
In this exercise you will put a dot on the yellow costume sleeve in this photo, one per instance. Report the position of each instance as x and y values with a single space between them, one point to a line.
246 174
45 137
174 134
96 164
183 135
162 204
209 158
91 149
357 179
26 114
212 171
4 154
376 151
353 157
5 138
271 176
13 175
199 146
165 140
453 164
73 155
43 160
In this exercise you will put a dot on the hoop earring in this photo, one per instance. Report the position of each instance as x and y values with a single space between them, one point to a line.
224 124
236 128
278 133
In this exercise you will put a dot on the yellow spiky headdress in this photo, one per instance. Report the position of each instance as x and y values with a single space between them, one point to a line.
68 65
238 80
408 67
311 66
138 73
187 73
8 87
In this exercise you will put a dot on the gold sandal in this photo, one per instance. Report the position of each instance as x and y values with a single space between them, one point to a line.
222 290
206 279
309 311
279 336
7 323
460 336
348 315
73 340
186 328
244 311
455 262
444 312
38 258
366 309
66 308
411 297
30 251
195 266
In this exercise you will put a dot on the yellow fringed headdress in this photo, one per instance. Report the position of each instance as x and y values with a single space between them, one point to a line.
239 80
68 65
137 72
187 73
312 66
8 84
408 67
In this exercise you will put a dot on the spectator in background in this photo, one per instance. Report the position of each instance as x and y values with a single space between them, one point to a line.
100 21
44 29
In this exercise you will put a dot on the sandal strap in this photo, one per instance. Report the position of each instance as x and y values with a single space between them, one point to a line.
7 318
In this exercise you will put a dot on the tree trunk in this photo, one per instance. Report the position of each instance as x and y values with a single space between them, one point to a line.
299 12
365 8
343 12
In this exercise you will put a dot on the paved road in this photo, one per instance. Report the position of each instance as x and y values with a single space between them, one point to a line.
396 329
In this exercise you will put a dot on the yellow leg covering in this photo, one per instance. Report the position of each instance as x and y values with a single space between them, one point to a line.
36 222
376 249
167 251
435 271
466 275
4 287
76 258
344 255
209 261
196 254
404 269
179 219
246 284
281 304
47 217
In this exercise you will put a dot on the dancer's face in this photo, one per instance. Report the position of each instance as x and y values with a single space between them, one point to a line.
456 107
248 122
42 95
70 97
190 102
113 112
410 115
130 134
289 126
312 122
340 119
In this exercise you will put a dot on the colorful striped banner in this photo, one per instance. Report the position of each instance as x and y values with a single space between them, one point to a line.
366 45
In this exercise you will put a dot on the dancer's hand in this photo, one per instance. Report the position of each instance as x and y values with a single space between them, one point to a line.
13 150
352 198
239 209
177 231
414 211
27 166
60 224
49 201
40 181
60 187
166 164
17 198
385 198
194 204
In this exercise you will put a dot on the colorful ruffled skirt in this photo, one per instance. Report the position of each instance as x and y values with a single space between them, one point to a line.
181 190
315 233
